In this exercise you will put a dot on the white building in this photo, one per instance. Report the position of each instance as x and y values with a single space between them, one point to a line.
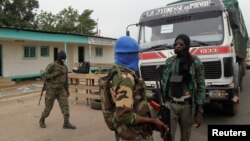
23 53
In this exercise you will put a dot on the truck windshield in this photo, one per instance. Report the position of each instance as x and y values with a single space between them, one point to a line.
208 31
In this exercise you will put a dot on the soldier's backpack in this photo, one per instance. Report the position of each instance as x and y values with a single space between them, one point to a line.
108 106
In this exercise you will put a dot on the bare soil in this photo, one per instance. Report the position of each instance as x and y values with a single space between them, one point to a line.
20 113
19 118
27 82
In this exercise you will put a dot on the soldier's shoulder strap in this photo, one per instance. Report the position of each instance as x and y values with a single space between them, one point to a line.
196 61
169 62
197 64
114 70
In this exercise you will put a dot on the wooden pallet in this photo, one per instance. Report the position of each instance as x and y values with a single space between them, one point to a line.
85 85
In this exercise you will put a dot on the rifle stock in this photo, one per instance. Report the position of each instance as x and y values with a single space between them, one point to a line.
161 107
165 118
43 89
41 95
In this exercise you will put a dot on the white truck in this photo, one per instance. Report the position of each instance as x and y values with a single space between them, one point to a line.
218 37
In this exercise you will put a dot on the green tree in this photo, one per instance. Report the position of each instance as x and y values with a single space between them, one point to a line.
22 14
85 23
19 13
46 21
2 5
68 20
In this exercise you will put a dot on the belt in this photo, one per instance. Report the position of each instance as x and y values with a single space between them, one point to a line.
185 102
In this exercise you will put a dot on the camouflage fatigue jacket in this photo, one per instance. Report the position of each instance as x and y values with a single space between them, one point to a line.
56 82
197 84
128 94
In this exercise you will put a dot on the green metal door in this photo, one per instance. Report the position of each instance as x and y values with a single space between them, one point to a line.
81 55
55 53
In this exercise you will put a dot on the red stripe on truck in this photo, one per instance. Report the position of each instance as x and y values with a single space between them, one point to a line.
195 51
162 55
212 50
151 55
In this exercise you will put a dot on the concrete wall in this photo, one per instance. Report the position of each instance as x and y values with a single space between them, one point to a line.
108 54
15 65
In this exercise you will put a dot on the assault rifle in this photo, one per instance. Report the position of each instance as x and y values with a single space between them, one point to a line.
163 109
43 89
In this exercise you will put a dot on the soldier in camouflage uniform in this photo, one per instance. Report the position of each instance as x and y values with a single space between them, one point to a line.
131 112
184 88
56 79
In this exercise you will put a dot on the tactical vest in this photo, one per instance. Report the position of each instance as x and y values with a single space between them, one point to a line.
140 105
58 82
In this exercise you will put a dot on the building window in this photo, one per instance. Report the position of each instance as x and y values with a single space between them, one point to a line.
44 51
29 51
99 52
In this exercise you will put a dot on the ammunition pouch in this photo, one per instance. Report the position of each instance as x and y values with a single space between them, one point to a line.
176 86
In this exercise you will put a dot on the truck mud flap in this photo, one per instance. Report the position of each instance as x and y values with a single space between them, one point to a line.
230 108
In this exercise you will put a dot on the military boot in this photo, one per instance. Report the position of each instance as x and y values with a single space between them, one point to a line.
42 122
68 125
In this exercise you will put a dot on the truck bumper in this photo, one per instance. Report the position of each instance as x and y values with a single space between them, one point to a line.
220 94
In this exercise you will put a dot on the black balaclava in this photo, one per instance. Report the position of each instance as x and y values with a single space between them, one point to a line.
61 56
185 58
185 51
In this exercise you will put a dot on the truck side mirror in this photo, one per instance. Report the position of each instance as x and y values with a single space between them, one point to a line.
127 33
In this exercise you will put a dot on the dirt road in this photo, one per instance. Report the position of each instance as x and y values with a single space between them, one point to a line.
19 121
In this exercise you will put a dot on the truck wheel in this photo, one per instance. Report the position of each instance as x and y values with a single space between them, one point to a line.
230 108
240 77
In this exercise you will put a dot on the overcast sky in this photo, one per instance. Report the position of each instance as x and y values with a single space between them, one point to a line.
114 15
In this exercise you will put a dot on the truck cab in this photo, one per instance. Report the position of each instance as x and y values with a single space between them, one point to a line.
209 26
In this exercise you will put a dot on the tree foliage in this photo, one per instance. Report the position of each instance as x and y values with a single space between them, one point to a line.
18 13
85 23
67 20
46 21
23 14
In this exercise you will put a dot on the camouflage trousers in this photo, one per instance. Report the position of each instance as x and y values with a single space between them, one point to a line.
140 139
61 97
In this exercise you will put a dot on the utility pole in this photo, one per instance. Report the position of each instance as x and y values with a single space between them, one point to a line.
97 30
81 26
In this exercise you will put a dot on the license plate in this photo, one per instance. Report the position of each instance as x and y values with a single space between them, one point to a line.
215 93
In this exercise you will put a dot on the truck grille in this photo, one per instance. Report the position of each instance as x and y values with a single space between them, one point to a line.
149 73
212 71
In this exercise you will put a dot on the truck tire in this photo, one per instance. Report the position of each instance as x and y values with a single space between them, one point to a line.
96 104
237 76
244 68
240 77
230 108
